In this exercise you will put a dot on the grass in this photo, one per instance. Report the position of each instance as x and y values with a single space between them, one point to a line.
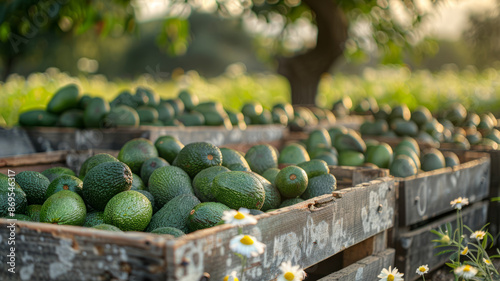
479 91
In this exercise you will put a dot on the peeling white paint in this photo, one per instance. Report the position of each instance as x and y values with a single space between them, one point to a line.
359 274
123 255
27 271
66 254
377 215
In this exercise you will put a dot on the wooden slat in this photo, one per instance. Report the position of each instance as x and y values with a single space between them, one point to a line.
414 248
54 252
305 234
365 269
428 194
14 141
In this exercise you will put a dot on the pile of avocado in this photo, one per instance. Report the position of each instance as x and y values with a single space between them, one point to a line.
345 147
453 125
167 187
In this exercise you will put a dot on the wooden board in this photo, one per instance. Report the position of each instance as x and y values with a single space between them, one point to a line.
365 269
429 194
414 248
54 138
14 141
305 233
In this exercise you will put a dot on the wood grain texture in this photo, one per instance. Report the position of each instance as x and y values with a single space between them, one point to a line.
429 194
304 234
365 269
15 141
414 248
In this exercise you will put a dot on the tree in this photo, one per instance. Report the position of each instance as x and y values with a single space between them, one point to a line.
353 28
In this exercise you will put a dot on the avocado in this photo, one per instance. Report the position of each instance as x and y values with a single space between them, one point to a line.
150 198
64 182
168 182
93 161
20 217
64 207
135 152
287 108
95 112
125 98
494 135
380 155
72 118
137 183
202 182
411 143
33 211
350 141
383 112
320 185
252 109
105 181
147 114
238 189
451 159
54 172
189 99
306 114
404 128
291 181
65 98
456 114
318 137
400 112
403 166
421 115
121 116
192 118
148 96
262 157
265 118
7 189
234 160
168 147
177 105
93 218
37 118
84 102
149 166
169 230
166 112
215 119
290 202
197 156
270 174
293 154
34 185
314 168
330 158
461 141
107 227
273 197
175 213
374 128
206 215
351 158
408 151
237 119
342 107
433 159
129 211
279 116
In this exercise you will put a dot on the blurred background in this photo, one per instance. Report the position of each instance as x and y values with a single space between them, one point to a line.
414 52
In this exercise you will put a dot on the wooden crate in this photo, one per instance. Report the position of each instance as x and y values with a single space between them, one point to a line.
414 247
494 209
54 138
305 234
427 195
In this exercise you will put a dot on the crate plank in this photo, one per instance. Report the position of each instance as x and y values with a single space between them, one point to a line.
428 194
365 269
14 141
305 234
414 248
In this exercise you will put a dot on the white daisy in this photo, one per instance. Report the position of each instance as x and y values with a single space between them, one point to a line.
459 203
487 261
291 273
390 275
423 269
231 277
246 245
240 217
465 251
479 235
466 271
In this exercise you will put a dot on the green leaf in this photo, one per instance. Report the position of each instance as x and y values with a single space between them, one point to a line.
444 252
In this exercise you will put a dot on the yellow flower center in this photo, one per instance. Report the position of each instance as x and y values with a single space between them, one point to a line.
467 268
390 277
239 216
465 251
289 276
487 261
445 239
227 278
422 269
246 240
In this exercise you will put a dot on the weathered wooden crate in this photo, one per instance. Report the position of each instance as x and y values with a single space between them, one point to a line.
427 195
14 141
305 234
53 138
414 247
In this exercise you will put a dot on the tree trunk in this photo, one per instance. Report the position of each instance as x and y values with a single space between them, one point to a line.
304 71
